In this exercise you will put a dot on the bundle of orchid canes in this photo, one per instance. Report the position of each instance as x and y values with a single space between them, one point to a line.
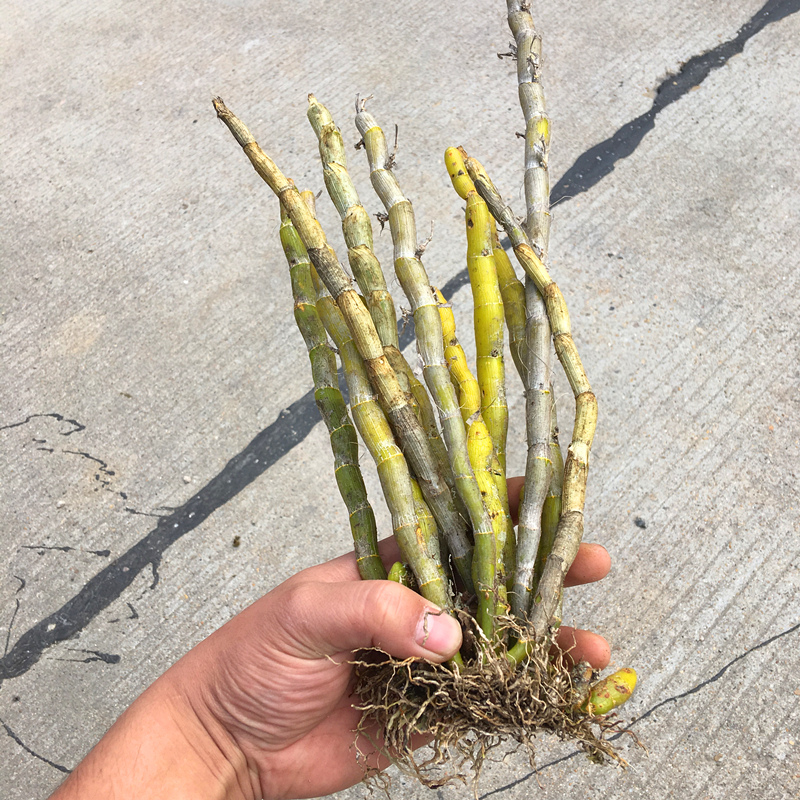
440 447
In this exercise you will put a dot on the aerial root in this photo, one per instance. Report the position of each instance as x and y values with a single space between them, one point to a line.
466 713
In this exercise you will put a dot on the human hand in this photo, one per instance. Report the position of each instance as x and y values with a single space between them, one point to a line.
263 706
277 676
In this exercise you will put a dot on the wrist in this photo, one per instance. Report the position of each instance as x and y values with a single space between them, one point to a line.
222 767
166 745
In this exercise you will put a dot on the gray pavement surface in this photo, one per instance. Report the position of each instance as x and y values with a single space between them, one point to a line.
155 395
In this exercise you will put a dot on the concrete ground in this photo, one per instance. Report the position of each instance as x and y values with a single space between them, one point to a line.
155 395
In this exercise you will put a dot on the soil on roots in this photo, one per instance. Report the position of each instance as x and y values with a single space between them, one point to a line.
465 713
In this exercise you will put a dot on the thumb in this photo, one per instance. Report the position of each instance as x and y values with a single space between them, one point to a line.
326 619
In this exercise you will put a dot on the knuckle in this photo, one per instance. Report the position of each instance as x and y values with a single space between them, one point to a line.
387 606
294 599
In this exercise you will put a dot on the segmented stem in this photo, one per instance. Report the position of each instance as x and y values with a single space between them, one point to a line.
331 405
536 368
356 224
539 467
487 304
426 522
357 231
513 293
415 543
425 412
411 436
485 465
469 392
537 225
416 285
570 528
429 535
528 45
551 510
483 460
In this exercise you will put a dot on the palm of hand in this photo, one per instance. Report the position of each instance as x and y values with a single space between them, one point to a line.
288 705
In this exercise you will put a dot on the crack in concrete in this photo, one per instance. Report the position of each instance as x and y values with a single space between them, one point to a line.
104 474
94 655
40 548
14 613
674 699
714 678
103 469
77 427
271 444
27 749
